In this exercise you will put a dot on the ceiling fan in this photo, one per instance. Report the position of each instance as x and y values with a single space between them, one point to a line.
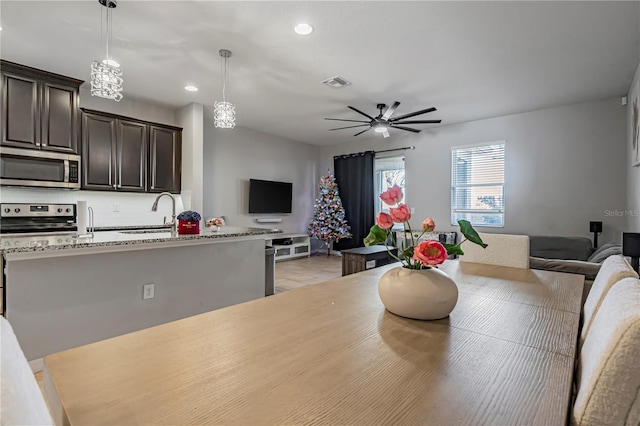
383 122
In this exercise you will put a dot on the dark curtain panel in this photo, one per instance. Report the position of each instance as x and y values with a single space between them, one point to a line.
354 176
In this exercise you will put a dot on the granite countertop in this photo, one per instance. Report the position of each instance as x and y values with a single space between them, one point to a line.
128 236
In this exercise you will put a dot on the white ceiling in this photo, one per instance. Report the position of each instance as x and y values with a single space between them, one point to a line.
471 60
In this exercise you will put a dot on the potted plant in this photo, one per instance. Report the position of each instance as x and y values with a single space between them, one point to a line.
416 289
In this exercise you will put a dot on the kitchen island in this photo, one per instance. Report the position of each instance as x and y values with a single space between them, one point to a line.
62 291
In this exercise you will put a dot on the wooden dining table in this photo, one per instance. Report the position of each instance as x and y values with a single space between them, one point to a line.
331 354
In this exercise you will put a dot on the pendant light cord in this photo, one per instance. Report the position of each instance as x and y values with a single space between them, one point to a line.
108 30
224 79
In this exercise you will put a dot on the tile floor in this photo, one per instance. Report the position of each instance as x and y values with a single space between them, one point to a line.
295 273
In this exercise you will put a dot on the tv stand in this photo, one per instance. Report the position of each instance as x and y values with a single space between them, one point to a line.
299 247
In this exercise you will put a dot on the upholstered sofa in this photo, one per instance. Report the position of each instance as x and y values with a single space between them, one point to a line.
573 255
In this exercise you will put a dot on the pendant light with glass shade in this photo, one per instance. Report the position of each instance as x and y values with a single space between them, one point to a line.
106 75
224 113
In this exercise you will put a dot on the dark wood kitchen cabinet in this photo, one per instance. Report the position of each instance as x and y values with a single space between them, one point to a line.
125 154
98 152
165 159
39 109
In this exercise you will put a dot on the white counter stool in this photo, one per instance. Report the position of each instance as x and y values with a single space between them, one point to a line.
613 269
608 377
502 250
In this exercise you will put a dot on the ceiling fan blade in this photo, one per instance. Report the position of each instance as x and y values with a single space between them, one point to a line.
360 112
418 122
385 133
340 119
366 130
413 114
349 127
408 129
390 111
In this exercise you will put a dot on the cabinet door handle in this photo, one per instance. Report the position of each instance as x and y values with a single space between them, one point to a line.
115 186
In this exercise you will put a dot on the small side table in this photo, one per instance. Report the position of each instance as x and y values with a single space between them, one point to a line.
363 258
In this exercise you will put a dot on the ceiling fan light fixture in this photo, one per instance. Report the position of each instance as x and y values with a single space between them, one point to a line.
303 29
224 113
106 75
380 127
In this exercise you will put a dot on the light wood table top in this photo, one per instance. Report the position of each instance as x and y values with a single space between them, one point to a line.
330 354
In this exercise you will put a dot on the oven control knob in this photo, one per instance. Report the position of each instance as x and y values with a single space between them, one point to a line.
68 210
7 210
59 210
17 210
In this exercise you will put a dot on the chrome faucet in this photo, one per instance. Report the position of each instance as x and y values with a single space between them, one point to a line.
154 208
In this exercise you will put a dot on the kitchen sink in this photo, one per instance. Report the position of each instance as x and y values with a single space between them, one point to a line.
147 231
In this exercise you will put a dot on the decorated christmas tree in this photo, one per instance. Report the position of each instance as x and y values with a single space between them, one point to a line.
328 222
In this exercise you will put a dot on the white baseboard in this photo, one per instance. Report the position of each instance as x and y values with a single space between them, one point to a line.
37 365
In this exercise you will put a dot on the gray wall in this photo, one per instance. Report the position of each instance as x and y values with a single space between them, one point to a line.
190 118
129 107
564 167
633 173
232 157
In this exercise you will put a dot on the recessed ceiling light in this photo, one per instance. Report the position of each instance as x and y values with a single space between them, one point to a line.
303 29
191 88
111 62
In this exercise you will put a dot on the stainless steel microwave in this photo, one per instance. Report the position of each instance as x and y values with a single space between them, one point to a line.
37 168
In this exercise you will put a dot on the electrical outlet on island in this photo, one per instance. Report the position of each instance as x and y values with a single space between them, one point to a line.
116 207
148 291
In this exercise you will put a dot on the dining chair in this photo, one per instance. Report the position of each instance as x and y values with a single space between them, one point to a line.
608 374
22 401
613 269
502 250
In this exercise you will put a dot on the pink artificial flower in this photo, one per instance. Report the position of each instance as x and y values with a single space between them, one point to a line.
428 225
400 214
384 220
430 253
392 195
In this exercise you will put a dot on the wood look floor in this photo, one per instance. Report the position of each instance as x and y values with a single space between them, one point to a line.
296 273
292 274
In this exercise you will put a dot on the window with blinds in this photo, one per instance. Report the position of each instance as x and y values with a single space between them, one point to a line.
477 184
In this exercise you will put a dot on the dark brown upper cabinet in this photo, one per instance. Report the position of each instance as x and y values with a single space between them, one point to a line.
39 109
165 159
125 154
98 152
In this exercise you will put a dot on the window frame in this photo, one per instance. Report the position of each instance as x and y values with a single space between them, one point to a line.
504 186
377 200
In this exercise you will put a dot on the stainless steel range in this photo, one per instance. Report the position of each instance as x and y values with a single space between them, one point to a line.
37 218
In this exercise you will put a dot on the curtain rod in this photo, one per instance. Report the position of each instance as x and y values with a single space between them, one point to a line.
375 152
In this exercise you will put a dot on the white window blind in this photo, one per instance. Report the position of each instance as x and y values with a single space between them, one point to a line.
477 184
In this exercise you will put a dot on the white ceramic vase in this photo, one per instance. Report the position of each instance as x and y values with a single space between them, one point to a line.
426 294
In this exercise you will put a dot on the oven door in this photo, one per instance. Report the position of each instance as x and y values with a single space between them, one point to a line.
22 167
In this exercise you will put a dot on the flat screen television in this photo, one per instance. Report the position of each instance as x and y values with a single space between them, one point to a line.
266 196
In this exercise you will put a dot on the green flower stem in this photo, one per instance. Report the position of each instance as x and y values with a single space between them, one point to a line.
460 243
391 254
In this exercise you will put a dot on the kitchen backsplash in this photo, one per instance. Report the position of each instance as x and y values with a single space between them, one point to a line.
133 208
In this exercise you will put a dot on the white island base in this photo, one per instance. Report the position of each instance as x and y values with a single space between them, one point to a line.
56 303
